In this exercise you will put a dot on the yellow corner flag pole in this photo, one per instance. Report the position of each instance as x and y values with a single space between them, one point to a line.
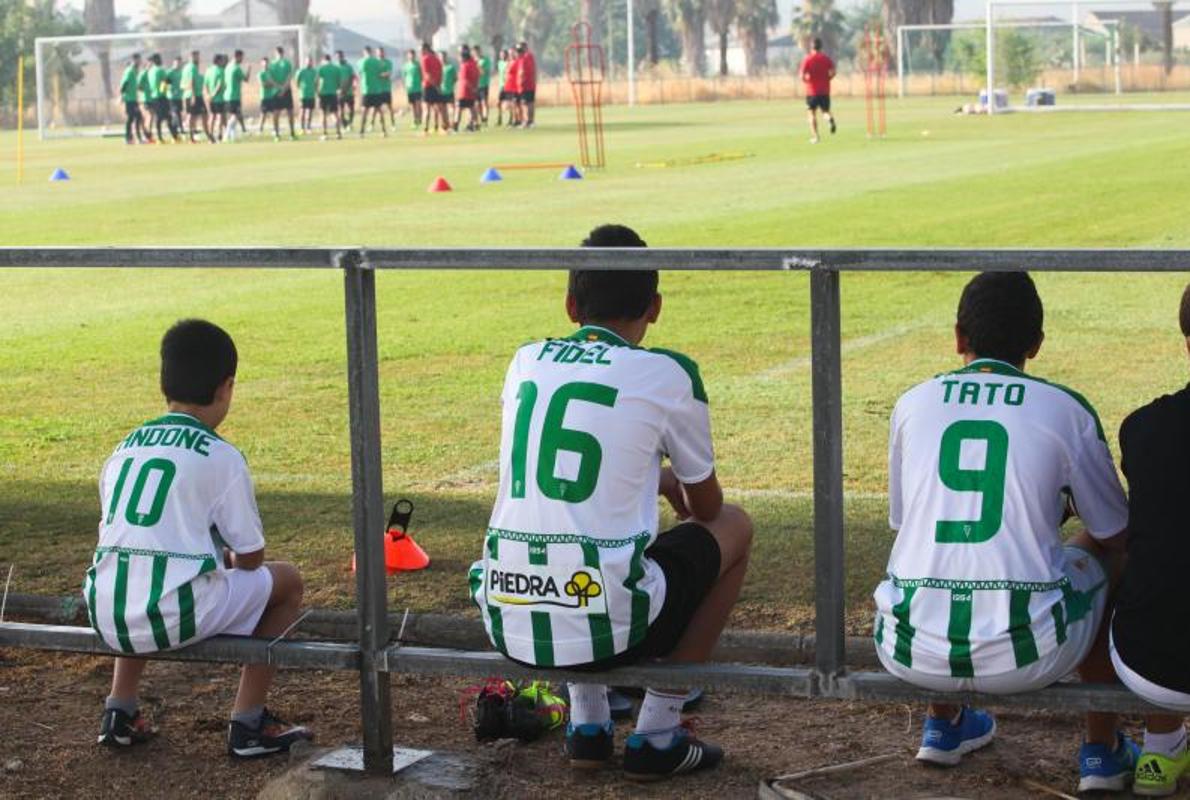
20 119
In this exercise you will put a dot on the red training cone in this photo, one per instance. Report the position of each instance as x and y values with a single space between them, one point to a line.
439 185
402 554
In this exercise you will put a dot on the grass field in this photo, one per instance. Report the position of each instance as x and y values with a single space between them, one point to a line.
77 349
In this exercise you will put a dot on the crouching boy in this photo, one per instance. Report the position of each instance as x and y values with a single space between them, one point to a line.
181 547
574 573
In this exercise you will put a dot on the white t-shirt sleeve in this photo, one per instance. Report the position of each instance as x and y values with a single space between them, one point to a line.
687 435
1098 496
236 515
895 505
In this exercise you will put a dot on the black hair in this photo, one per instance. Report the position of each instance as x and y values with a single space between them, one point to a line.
196 358
1184 313
1000 313
606 295
156 59
817 44
239 53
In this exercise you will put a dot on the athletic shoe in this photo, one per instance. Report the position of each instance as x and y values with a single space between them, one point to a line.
1157 775
1104 769
644 762
272 735
814 140
945 743
117 729
590 746
832 122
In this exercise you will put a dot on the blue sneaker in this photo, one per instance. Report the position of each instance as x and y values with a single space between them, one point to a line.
945 743
590 746
1102 769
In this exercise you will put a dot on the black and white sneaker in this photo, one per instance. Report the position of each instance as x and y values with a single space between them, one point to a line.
644 762
117 729
273 735
590 746
832 122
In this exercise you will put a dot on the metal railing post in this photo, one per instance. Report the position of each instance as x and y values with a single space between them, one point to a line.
367 502
826 367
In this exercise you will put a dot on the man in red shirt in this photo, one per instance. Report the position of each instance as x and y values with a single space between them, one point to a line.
511 73
468 88
431 82
526 69
817 70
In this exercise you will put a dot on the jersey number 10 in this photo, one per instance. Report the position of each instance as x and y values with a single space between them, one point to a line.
132 512
556 438
989 481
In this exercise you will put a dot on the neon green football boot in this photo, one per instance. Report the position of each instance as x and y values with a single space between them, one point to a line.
1157 775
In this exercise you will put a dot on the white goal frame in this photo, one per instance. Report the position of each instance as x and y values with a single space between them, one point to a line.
42 42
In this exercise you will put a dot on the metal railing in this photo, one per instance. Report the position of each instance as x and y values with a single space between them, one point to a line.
375 658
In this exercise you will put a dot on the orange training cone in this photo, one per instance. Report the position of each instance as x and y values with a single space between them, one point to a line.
402 554
439 185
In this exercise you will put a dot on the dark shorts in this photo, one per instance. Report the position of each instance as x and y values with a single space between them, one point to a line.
484 93
372 101
268 105
507 95
131 109
235 107
347 99
161 107
822 101
413 97
328 102
196 105
466 103
528 97
218 107
433 95
307 103
449 99
689 557
283 102
175 106
386 98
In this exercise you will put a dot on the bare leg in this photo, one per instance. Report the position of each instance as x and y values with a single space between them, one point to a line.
285 602
813 124
126 677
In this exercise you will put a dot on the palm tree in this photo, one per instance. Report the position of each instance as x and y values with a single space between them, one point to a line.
818 19
651 10
427 17
495 20
720 15
919 12
100 17
754 18
690 17
168 15
533 20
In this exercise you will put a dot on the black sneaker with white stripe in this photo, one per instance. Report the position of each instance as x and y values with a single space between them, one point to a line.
644 762
118 729
273 735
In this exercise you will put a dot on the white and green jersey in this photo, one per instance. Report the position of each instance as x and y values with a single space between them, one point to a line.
586 422
982 463
170 492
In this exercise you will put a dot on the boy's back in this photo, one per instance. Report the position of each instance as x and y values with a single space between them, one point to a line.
168 489
586 422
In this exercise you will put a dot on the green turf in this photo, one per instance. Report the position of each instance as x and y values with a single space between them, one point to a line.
77 349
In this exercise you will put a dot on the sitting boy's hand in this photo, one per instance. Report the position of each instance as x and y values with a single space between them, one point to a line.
671 489
229 558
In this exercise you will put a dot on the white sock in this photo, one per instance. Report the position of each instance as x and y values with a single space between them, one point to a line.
1171 744
660 714
588 704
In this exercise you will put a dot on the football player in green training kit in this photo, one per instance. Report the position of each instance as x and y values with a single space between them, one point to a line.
158 580
575 572
411 75
982 593
158 97
386 86
268 99
1149 650
281 72
215 86
346 90
233 78
144 92
134 121
307 81
174 77
371 72
450 76
192 89
485 83
329 76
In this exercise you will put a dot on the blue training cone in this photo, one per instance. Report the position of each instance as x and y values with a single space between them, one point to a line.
570 174
492 175
59 175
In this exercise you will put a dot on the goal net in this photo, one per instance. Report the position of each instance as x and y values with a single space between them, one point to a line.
1051 55
78 77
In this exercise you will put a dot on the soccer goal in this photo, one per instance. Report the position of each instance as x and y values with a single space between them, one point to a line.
78 77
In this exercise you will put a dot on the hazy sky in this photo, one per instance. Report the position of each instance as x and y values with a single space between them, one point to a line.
343 10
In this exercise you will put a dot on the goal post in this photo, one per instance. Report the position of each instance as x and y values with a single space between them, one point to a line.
78 77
